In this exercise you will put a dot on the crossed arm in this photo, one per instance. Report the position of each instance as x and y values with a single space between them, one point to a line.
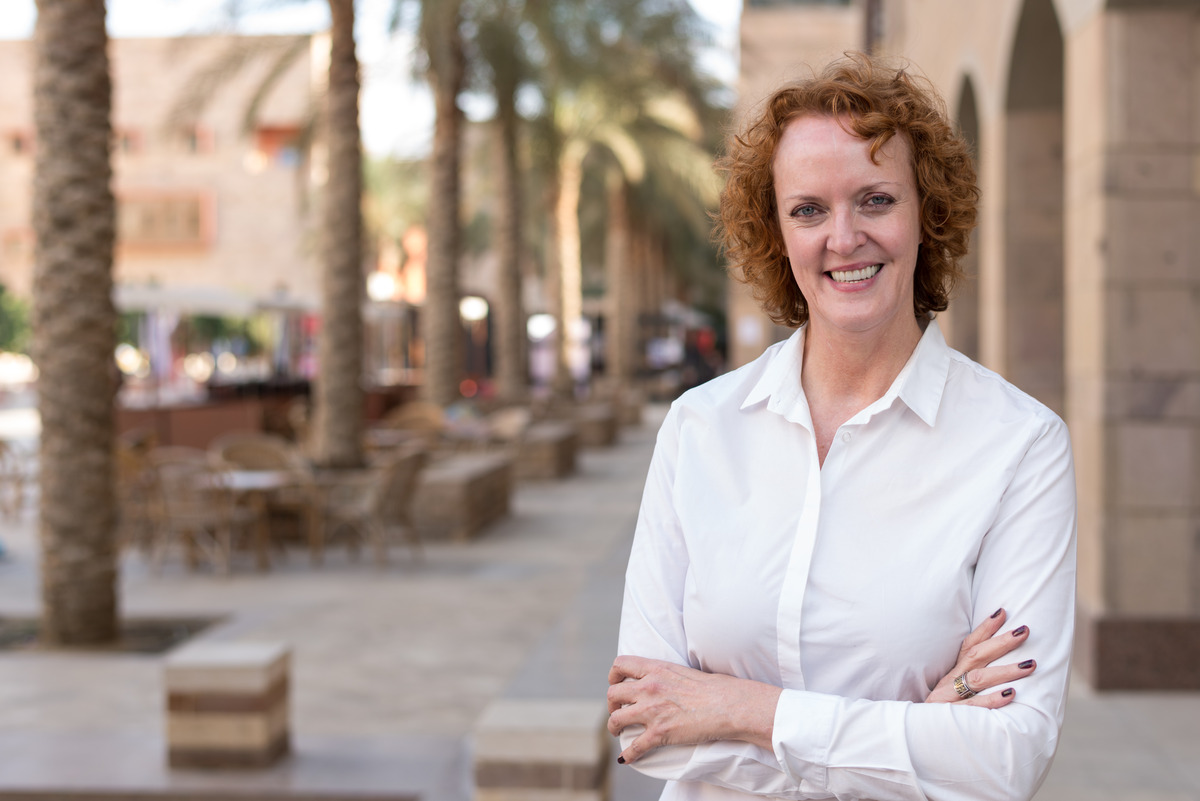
678 705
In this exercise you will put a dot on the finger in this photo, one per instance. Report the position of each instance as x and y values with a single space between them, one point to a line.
992 649
986 678
617 721
981 679
626 667
635 750
985 630
620 695
992 700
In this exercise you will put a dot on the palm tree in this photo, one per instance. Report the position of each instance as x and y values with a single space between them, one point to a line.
664 229
499 44
624 83
339 397
620 332
74 322
441 39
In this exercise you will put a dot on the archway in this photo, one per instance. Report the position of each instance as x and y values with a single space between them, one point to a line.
1033 208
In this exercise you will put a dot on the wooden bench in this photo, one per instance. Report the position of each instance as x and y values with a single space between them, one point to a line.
547 450
629 407
458 496
597 424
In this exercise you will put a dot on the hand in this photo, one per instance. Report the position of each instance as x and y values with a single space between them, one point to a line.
982 647
679 705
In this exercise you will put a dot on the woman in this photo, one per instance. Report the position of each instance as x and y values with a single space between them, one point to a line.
833 537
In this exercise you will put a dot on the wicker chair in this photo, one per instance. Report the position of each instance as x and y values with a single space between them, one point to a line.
137 498
370 509
13 479
196 508
507 427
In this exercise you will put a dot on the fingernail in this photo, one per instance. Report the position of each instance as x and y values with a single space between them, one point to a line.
621 760
1026 665
997 612
1007 693
1017 632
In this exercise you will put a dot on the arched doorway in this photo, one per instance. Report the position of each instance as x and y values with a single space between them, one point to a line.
1033 208
962 317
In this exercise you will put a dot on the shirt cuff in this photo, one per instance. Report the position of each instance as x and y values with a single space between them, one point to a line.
802 733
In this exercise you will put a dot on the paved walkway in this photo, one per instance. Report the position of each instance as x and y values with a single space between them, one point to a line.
391 667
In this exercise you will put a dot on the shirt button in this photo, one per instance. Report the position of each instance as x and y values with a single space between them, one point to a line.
845 436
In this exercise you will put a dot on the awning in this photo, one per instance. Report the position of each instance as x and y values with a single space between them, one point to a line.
200 299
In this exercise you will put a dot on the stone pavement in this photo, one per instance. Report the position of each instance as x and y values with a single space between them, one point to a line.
391 667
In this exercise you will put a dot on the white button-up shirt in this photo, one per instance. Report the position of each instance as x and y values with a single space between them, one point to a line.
853 584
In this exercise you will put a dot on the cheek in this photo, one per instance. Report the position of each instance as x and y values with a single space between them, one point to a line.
799 249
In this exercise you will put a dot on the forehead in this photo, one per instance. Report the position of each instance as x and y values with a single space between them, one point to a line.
813 141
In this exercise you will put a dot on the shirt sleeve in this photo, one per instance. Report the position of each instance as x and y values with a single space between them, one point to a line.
831 746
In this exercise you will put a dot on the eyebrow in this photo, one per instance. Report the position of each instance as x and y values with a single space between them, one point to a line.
873 187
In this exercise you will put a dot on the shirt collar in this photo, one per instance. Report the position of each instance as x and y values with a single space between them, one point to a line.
919 385
923 380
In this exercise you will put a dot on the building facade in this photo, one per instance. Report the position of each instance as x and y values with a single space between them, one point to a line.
213 205
1085 115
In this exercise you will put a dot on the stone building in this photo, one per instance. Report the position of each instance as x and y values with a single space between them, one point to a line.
1085 115
213 213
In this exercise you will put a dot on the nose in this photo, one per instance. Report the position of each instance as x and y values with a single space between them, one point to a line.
845 236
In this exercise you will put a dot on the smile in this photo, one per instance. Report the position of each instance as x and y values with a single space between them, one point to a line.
854 276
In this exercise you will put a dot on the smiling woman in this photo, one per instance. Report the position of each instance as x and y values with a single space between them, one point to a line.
834 539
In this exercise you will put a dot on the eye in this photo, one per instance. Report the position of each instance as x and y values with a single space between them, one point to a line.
879 201
807 210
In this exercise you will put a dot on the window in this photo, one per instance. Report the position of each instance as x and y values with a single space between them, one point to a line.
20 143
195 139
278 145
127 141
170 220
16 245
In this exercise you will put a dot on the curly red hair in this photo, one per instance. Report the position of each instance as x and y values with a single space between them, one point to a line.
877 103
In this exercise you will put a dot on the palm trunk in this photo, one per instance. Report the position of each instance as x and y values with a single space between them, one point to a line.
511 372
339 395
74 322
566 217
441 326
648 308
552 280
619 342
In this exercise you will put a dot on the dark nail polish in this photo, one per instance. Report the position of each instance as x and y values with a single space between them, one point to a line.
1026 665
1019 631
620 760
997 612
1007 693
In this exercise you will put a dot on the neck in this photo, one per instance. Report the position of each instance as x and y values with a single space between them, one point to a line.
855 367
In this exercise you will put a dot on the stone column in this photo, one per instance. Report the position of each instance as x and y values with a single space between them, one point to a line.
1133 340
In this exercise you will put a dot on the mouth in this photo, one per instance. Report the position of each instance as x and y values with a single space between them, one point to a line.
855 276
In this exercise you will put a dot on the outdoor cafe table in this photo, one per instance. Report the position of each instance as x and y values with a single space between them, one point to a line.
253 487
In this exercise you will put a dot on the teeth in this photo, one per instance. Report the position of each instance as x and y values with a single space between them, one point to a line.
850 276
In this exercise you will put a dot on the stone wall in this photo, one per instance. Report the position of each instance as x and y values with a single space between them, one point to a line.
1087 118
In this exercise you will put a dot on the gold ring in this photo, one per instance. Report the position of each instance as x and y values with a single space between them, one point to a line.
962 688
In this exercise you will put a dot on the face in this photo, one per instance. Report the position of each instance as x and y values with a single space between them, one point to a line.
851 227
